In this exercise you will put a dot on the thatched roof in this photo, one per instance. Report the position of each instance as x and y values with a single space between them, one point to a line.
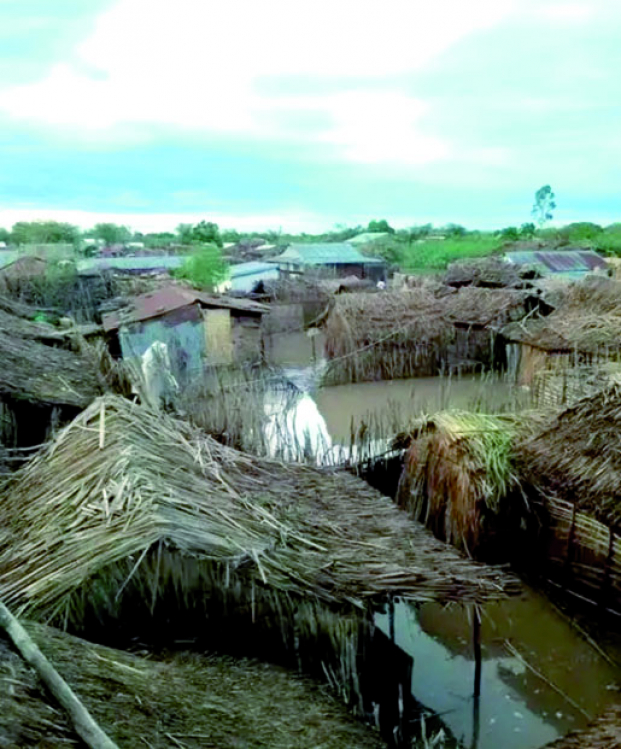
36 372
587 320
122 481
491 272
459 480
603 733
185 700
577 455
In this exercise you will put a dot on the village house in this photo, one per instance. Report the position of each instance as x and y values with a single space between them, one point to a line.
245 276
337 259
198 329
568 264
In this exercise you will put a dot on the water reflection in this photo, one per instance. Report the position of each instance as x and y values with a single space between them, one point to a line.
540 679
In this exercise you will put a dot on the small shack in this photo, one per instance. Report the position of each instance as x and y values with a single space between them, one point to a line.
570 264
41 384
573 467
574 350
419 332
198 329
338 259
246 276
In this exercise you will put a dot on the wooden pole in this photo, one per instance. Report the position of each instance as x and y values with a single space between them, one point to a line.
85 726
476 647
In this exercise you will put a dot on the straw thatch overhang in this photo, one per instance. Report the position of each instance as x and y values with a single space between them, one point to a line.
603 733
492 272
587 320
112 511
577 455
415 332
181 700
38 373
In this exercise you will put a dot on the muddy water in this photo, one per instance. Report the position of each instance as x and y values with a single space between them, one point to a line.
395 401
540 678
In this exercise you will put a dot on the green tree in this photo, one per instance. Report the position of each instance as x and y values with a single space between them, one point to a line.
44 232
205 268
545 203
111 233
380 226
5 235
207 232
510 233
527 230
184 232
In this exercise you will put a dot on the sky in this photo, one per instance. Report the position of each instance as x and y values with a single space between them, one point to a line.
305 114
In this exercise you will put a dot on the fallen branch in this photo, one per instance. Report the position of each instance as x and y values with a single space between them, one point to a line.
85 726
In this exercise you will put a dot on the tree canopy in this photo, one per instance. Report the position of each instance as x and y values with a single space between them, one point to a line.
44 232
380 226
545 203
206 267
111 233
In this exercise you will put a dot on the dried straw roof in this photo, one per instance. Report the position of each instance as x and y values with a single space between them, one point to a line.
122 480
588 319
185 700
36 372
424 313
603 733
577 455
490 272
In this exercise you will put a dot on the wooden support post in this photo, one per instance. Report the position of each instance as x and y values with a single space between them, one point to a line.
476 647
85 726
391 618
570 548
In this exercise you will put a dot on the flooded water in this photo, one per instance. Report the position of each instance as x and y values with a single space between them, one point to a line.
540 678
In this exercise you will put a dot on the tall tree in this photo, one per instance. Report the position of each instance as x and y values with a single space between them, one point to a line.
44 232
111 233
544 205
380 226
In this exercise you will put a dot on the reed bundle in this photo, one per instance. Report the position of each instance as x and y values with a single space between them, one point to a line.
576 455
178 700
409 333
603 733
130 502
459 480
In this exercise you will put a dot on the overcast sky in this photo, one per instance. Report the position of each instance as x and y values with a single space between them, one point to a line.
268 113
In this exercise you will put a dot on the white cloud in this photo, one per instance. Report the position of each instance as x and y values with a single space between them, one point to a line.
156 222
196 64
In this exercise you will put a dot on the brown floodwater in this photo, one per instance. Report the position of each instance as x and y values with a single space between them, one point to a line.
540 677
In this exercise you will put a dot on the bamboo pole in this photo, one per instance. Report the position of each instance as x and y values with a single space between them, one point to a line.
85 726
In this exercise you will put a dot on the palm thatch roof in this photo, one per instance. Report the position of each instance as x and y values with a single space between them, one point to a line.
491 272
603 733
409 333
587 320
576 455
459 480
187 700
45 374
124 494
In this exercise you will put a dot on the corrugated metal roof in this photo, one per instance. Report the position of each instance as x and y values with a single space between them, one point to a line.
559 261
132 264
250 268
326 253
170 298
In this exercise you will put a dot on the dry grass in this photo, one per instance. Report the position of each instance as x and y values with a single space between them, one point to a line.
459 480
587 320
184 700
88 521
409 333
576 455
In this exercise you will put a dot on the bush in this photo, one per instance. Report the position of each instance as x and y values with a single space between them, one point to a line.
205 268
434 256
